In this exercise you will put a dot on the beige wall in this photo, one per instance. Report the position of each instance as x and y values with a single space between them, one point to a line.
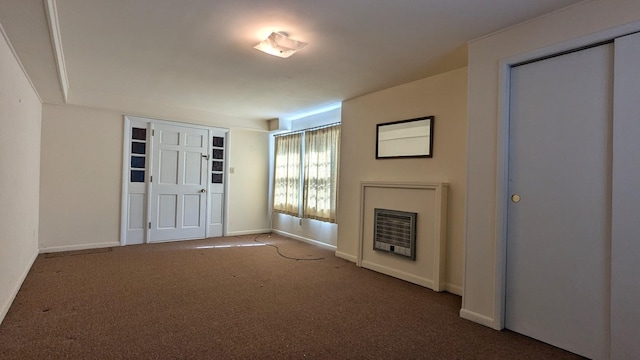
307 230
20 114
249 184
445 97
82 178
573 27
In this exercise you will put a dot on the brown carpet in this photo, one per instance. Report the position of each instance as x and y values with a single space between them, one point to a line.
187 300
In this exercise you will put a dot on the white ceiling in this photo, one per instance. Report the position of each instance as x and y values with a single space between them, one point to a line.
197 55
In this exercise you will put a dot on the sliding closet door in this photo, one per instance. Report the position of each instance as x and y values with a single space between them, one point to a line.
558 245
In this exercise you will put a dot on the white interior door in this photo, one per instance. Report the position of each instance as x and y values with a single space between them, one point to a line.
558 245
179 183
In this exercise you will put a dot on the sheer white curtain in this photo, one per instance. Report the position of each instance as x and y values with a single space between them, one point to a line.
322 154
286 191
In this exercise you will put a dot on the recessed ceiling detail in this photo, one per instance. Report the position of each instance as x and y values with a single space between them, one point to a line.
279 44
183 59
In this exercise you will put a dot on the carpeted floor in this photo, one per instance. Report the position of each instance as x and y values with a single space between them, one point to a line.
236 298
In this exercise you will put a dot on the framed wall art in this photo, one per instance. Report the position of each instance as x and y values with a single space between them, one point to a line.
405 138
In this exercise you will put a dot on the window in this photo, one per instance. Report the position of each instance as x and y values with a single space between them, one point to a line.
308 182
321 157
138 154
286 192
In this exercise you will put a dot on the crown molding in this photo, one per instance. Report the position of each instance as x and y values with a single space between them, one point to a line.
56 40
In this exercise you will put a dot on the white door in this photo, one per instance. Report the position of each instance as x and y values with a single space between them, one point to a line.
558 245
179 183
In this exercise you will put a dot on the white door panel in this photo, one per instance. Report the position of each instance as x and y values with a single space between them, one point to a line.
192 205
558 245
216 208
168 162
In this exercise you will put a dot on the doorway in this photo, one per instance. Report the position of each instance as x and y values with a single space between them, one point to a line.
174 181
564 186
559 211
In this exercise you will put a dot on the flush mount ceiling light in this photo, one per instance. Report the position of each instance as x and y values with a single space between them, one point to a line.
279 44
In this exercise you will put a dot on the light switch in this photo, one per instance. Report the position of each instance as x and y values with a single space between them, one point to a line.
232 170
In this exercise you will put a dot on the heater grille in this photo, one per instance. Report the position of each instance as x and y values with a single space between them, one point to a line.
395 232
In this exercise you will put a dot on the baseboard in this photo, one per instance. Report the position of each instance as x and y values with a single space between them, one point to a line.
5 307
454 289
478 318
52 249
348 257
247 232
304 239
399 274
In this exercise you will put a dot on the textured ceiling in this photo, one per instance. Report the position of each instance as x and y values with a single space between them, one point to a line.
197 55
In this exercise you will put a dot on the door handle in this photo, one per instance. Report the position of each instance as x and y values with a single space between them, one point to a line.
203 190
515 198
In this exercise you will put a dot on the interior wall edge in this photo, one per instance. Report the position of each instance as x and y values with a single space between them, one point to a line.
14 292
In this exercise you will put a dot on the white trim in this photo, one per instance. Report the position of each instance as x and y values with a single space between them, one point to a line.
54 249
124 211
348 257
502 189
453 289
56 40
14 292
400 275
15 56
207 205
479 318
306 240
227 178
248 232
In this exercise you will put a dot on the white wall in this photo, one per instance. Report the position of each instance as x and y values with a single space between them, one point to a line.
20 114
82 175
575 26
445 97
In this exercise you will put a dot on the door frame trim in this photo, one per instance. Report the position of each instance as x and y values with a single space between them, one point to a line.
124 213
502 148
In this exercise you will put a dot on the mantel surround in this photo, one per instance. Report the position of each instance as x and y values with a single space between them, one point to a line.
429 201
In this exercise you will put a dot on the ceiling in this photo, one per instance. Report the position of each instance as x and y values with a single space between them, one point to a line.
197 55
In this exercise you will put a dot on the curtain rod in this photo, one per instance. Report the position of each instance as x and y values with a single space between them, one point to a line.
309 129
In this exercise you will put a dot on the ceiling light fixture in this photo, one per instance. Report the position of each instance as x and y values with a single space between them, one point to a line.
279 44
